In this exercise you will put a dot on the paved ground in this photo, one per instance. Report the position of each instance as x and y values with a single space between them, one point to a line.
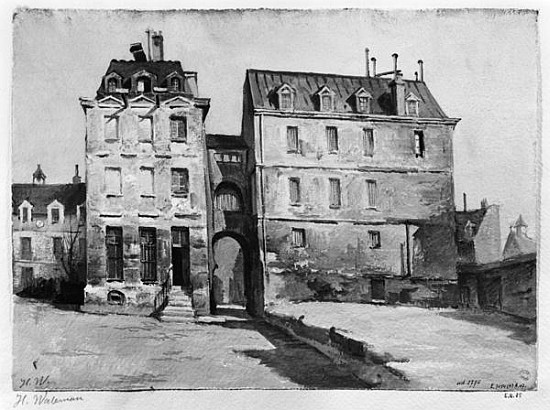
56 349
444 347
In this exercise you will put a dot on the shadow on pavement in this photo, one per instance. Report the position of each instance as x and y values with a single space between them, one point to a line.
292 359
519 329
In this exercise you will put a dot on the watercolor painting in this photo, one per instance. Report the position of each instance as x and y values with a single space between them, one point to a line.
274 199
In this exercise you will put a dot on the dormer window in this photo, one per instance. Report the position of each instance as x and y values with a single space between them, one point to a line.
363 100
112 85
143 82
285 97
55 213
55 216
175 84
25 212
326 99
411 105
143 85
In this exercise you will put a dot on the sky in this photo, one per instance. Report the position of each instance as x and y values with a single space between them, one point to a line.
482 66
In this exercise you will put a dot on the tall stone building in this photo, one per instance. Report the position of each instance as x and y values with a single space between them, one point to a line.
352 185
146 185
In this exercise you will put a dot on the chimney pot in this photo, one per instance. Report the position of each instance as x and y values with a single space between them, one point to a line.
373 66
416 76
137 50
464 199
367 62
421 65
158 46
394 55
76 177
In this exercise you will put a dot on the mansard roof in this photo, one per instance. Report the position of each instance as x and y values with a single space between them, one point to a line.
41 195
263 84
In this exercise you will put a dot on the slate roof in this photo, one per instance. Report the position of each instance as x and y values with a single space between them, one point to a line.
161 69
263 85
221 141
462 218
40 196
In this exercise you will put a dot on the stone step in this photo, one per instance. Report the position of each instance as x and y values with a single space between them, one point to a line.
178 309
174 319
181 304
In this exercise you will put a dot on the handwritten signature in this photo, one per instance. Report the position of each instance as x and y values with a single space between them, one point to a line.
41 399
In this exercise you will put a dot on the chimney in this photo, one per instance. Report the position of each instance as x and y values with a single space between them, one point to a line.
394 55
158 47
373 66
76 178
421 69
464 199
397 87
484 203
137 50
367 62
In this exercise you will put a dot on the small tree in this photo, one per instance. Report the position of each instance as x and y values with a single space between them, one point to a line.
73 255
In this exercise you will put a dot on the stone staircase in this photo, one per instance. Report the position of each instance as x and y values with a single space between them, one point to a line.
179 308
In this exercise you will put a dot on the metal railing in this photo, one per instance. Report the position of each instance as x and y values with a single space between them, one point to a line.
161 298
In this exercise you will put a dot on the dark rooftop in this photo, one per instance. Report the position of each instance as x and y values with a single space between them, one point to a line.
263 84
221 141
40 196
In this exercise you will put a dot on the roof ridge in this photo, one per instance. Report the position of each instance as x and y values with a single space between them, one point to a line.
256 70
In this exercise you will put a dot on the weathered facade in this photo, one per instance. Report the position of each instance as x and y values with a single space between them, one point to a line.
49 234
147 189
346 171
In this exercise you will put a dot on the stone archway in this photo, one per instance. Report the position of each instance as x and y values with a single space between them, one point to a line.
231 282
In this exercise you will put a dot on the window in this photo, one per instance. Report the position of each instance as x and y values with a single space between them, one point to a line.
180 237
368 142
143 85
292 141
419 144
147 181
180 181
412 108
285 100
335 193
58 248
363 104
148 258
227 200
326 102
25 214
298 237
112 85
371 194
294 186
332 139
55 216
111 128
229 157
26 249
175 84
374 239
178 129
113 181
113 242
145 129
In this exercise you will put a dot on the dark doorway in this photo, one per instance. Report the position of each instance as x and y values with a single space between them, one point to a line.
180 257
378 289
492 293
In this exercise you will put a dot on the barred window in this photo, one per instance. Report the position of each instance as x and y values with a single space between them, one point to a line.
178 129
335 193
371 194
298 237
294 187
148 257
180 181
292 141
332 139
113 243
368 142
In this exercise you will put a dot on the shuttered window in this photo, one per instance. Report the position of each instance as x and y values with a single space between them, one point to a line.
26 249
113 181
292 141
180 181
294 187
368 142
298 237
113 243
111 128
371 194
178 129
332 139
335 193
145 129
148 257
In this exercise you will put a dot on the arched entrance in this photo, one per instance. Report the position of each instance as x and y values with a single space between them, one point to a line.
231 275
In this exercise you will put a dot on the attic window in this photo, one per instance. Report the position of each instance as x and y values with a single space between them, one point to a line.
326 102
143 85
285 100
26 215
175 84
55 215
411 105
112 85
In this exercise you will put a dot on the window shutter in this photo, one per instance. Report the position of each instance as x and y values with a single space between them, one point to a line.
335 192
372 194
